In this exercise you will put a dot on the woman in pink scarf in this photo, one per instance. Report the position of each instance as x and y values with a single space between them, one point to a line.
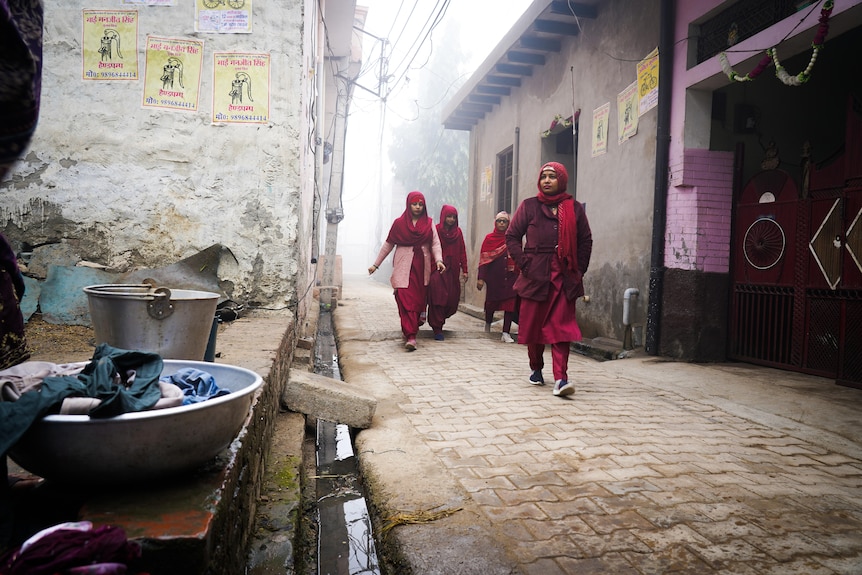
414 239
553 261
444 290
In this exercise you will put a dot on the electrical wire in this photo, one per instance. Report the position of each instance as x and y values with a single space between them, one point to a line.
437 19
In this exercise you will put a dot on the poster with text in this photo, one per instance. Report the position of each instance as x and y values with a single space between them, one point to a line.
627 112
601 115
110 44
172 75
240 88
648 82
223 16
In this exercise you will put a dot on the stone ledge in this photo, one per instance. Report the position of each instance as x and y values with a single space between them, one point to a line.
200 523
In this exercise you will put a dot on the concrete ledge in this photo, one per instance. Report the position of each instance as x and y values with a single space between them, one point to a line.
328 399
200 523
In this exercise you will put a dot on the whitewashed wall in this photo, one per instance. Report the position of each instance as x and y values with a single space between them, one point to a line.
133 187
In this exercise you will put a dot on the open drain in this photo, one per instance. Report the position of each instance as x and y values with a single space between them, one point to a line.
345 543
345 540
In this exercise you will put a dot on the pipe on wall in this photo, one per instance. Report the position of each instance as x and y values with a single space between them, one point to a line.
516 154
627 297
660 189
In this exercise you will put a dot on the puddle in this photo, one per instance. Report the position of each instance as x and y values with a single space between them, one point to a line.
345 540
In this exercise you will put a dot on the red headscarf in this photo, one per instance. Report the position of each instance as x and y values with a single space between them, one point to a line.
404 233
448 235
567 241
494 244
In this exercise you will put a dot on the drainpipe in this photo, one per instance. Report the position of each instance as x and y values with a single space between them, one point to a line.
319 117
627 324
516 154
662 158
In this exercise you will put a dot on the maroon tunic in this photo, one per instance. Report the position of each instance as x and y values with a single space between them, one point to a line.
547 286
499 283
444 290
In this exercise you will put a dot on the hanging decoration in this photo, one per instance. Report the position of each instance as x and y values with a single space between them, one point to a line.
771 56
730 73
558 125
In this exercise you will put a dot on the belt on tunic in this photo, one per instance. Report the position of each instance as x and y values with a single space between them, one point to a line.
540 250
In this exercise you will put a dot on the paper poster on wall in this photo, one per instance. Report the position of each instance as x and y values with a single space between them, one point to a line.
223 16
648 82
110 45
627 112
601 115
240 88
172 75
486 188
151 2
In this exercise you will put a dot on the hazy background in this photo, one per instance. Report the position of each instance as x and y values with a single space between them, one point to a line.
397 143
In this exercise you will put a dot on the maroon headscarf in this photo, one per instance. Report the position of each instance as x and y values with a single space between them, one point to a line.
567 241
404 233
448 235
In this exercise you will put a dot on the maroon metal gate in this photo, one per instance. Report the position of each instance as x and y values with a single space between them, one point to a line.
797 275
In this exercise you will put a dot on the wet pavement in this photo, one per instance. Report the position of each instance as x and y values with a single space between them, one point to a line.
651 467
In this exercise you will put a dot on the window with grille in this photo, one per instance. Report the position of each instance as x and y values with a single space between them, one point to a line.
505 166
742 20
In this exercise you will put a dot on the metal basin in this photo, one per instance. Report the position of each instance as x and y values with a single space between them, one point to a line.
141 445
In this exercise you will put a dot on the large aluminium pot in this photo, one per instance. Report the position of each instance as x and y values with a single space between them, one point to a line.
174 323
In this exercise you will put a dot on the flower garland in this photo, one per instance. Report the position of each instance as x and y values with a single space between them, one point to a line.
772 56
730 73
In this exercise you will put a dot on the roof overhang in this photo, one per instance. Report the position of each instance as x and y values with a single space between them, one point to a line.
539 32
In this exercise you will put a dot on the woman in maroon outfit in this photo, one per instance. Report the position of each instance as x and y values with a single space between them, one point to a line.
497 270
444 289
553 261
414 239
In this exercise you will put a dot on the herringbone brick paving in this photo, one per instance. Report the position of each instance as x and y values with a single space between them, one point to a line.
627 476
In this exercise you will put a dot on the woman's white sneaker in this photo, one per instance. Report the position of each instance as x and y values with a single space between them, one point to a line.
564 387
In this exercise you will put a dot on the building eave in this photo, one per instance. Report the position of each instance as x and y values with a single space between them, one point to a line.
540 31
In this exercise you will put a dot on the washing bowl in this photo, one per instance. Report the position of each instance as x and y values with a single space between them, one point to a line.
141 445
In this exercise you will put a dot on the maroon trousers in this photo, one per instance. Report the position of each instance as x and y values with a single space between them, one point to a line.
559 357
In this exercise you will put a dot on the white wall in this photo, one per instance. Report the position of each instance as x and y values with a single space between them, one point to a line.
134 187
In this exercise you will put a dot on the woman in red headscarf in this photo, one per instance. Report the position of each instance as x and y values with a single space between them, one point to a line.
414 239
444 290
497 270
553 261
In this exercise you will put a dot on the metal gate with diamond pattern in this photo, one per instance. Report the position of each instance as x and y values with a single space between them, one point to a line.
797 275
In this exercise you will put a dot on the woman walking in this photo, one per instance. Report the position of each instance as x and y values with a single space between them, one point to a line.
414 239
444 289
497 270
553 261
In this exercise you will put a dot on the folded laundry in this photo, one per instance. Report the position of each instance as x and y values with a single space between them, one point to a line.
195 384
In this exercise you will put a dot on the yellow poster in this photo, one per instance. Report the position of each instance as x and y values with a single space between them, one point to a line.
172 75
223 16
601 115
110 45
240 88
627 112
648 82
486 184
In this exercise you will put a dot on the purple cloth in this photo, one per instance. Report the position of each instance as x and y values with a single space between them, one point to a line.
59 549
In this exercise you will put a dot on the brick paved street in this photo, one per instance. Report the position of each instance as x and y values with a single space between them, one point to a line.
651 467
